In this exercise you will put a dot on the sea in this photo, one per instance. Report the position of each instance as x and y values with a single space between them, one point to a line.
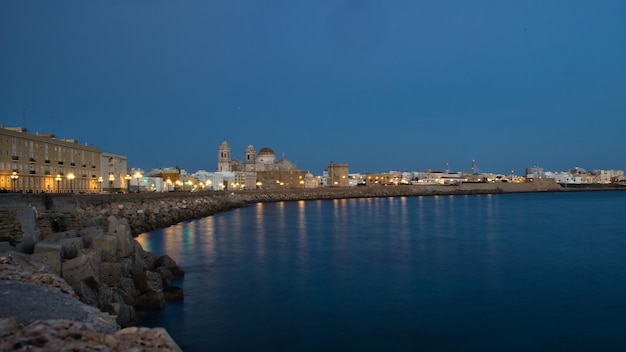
502 272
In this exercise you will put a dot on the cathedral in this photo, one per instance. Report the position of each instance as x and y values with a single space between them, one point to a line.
261 170
265 160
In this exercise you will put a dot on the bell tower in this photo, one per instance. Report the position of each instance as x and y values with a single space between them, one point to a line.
223 157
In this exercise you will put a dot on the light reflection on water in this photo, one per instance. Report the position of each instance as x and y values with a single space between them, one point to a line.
488 272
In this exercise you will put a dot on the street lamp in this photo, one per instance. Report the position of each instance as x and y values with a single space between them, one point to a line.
128 178
137 175
100 182
71 177
58 179
14 177
111 179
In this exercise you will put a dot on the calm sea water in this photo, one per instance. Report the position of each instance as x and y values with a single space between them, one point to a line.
511 272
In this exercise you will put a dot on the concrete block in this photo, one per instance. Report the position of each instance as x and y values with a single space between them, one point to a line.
49 254
71 247
111 273
106 243
82 269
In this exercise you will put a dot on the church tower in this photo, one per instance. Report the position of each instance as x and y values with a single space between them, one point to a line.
250 158
223 157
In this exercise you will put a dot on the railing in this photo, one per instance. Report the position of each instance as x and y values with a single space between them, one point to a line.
15 157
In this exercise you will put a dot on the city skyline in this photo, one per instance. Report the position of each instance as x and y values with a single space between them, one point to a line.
402 86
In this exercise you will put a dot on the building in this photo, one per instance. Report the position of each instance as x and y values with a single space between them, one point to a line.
114 172
41 163
257 170
264 160
337 175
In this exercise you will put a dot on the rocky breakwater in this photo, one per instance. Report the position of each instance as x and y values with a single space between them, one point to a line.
108 268
392 191
41 312
149 211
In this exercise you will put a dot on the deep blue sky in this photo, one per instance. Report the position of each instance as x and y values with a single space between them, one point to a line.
379 85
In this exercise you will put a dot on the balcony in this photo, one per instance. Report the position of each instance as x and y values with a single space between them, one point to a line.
93 166
47 161
46 172
32 160
84 175
15 157
84 165
32 172
73 163
60 162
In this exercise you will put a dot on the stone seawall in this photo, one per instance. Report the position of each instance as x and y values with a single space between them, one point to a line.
149 211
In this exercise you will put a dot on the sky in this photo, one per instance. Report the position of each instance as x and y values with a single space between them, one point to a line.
380 85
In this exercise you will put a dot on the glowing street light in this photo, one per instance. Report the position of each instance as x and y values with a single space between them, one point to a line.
137 175
14 177
71 177
111 179
58 179
127 178
100 182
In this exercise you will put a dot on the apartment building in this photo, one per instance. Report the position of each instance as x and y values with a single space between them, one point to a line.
41 163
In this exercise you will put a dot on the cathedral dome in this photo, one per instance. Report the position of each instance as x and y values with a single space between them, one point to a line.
266 151
266 156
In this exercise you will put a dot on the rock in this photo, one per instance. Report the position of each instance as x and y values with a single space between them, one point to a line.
167 262
166 274
111 273
48 303
71 247
49 254
107 244
68 335
148 281
173 293
82 269
150 301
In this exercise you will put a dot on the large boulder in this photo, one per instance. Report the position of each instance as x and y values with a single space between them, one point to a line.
107 244
85 269
49 254
167 265
150 286
111 273
71 246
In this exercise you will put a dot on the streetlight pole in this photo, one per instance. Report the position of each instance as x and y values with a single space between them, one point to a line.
70 178
100 182
111 179
138 175
127 178
14 177
58 179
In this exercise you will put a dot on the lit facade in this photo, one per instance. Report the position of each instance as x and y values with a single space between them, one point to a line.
41 163
337 175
